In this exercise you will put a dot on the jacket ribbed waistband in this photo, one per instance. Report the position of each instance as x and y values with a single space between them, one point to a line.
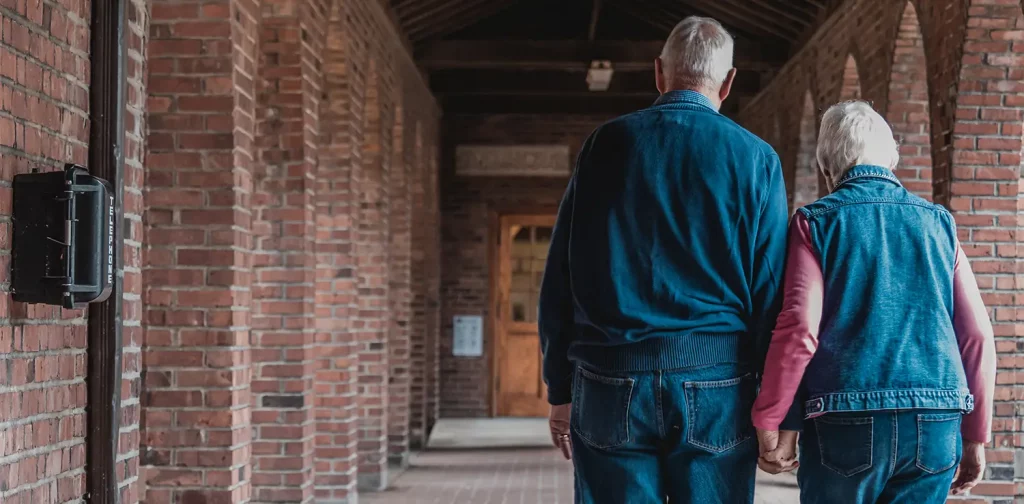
662 352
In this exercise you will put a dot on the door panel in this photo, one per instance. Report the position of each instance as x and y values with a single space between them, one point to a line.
523 251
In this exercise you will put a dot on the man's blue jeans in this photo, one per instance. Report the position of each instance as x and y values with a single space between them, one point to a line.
905 457
683 434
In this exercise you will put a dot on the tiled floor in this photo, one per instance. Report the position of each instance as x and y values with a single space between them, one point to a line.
510 476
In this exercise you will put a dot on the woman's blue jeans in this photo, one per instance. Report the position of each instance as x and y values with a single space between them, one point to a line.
898 457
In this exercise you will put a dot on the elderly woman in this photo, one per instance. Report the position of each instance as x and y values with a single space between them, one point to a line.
883 335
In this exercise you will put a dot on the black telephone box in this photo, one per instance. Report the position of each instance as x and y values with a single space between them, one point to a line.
63 248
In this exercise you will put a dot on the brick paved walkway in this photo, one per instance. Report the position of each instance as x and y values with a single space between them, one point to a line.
526 476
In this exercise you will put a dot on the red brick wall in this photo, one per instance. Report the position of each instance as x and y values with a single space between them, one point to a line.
291 40
968 53
196 404
269 244
377 117
908 106
44 102
469 207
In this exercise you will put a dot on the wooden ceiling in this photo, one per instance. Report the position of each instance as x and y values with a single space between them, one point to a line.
532 56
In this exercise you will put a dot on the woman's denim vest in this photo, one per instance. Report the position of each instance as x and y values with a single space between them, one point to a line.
886 338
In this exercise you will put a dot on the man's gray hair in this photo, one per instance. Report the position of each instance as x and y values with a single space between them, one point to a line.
698 54
852 134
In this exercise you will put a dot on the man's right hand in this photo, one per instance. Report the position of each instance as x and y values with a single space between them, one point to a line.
777 451
972 468
558 422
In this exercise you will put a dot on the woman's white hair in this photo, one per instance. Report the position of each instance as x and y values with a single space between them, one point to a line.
698 54
852 134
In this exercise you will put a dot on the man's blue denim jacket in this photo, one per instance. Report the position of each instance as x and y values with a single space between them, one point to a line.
669 247
886 338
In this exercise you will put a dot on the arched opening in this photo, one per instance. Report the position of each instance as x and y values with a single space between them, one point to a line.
851 81
908 111
805 182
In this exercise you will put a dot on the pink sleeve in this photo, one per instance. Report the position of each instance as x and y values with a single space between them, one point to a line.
977 348
795 338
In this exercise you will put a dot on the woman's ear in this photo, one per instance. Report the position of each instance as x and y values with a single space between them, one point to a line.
659 76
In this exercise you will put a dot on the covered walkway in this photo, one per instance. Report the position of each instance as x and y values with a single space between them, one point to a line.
336 215
505 461
509 476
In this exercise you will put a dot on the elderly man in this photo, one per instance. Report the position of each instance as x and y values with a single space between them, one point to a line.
661 289
885 328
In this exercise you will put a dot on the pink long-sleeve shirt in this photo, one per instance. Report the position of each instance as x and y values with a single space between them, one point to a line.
795 338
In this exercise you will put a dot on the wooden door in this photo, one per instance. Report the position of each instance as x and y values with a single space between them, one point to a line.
523 250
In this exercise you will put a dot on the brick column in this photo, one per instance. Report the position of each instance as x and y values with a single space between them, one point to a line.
133 232
196 406
370 327
336 213
426 275
907 106
283 260
985 195
399 295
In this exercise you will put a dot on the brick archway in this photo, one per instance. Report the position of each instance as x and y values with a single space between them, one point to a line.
805 181
851 80
908 106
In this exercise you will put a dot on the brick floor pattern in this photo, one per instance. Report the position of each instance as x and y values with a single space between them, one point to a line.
505 477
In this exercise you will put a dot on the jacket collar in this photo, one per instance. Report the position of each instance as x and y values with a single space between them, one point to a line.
685 96
870 171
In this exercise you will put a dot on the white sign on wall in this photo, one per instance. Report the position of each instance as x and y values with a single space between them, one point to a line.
468 334
512 160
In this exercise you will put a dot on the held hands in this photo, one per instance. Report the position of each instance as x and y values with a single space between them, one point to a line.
558 423
972 468
777 451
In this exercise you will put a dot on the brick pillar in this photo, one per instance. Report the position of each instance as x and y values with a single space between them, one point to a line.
907 106
336 213
985 196
399 296
433 301
283 260
133 231
370 327
426 274
196 405
418 283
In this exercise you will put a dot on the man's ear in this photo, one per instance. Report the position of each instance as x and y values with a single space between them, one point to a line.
659 76
726 88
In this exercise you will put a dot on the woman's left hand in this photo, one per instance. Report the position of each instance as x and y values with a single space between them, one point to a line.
972 468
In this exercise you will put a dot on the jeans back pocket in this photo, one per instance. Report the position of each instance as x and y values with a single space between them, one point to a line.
938 441
718 413
600 409
845 443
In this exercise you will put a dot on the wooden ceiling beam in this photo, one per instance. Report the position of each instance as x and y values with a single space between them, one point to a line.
440 13
677 9
736 12
458 18
414 10
786 12
643 15
624 55
595 15
547 82
583 104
